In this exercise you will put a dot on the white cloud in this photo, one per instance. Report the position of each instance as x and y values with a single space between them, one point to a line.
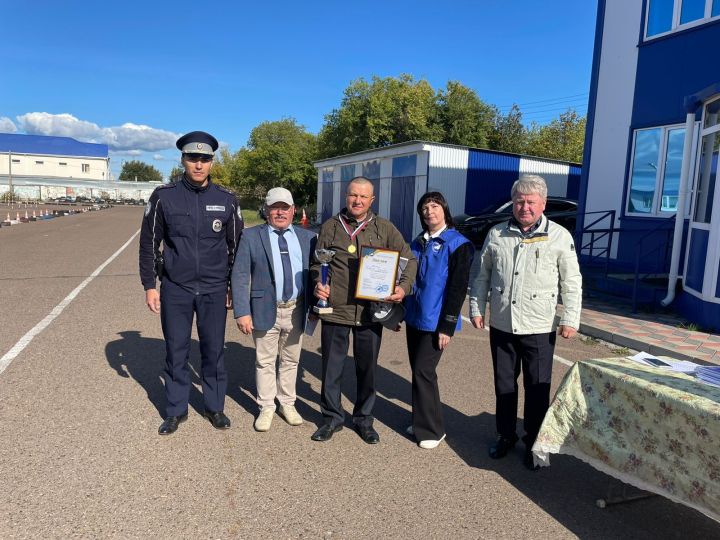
128 137
159 157
7 125
126 152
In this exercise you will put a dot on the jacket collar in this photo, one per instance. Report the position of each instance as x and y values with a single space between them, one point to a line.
539 229
193 187
351 220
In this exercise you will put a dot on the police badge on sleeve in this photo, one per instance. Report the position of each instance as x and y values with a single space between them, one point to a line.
217 225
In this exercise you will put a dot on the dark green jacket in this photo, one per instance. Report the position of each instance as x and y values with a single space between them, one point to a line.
344 265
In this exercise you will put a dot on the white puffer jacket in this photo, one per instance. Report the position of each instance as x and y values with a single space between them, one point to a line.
525 277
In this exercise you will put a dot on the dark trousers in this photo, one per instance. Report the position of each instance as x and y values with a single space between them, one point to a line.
534 352
177 307
366 346
424 353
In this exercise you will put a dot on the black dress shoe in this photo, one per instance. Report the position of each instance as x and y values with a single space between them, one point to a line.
217 419
368 434
171 423
325 432
501 447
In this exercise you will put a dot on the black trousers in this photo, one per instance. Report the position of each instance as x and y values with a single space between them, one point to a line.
534 353
424 353
177 309
335 340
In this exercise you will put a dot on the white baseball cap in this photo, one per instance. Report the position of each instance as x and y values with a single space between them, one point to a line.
278 194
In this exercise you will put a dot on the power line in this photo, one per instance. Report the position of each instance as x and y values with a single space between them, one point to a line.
543 100
578 110
567 102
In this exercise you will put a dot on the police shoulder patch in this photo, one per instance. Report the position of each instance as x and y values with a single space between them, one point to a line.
223 188
148 207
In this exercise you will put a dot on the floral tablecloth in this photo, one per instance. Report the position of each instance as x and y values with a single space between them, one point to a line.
651 428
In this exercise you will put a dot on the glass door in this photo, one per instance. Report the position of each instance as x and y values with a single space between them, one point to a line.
703 253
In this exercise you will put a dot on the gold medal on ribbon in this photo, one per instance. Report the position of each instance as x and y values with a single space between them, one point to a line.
352 248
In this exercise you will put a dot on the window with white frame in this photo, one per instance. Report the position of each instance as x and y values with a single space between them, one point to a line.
708 165
655 170
665 16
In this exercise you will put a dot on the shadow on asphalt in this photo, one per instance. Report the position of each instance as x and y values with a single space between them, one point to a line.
143 359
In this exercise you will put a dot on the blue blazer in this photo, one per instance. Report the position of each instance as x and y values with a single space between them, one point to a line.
253 276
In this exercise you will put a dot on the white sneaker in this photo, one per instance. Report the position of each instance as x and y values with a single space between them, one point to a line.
409 430
264 419
429 445
290 414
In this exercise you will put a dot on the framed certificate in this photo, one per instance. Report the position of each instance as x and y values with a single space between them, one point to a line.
377 273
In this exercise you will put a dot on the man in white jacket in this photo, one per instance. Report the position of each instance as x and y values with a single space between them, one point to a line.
526 264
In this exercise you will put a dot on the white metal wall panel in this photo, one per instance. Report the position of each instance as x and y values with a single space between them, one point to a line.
318 204
338 199
385 179
555 174
448 175
613 106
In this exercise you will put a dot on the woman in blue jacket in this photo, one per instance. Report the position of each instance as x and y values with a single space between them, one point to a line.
433 310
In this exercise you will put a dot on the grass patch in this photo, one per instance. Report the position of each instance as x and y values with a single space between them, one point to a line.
251 218
591 340
621 351
690 326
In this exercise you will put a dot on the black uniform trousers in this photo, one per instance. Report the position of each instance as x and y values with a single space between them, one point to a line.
335 340
427 415
177 307
534 352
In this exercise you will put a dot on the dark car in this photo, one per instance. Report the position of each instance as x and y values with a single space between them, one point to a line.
475 228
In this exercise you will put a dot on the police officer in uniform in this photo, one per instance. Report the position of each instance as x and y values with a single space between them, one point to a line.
198 224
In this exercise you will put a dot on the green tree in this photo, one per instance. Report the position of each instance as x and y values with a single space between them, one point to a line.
176 170
464 118
508 134
137 171
381 112
279 153
563 138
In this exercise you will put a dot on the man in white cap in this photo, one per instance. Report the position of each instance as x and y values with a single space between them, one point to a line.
271 301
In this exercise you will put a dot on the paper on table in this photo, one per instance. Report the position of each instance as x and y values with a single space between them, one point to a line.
680 366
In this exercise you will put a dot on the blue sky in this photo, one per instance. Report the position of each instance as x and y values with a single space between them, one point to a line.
137 74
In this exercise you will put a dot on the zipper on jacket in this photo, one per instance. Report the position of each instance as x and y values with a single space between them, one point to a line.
197 242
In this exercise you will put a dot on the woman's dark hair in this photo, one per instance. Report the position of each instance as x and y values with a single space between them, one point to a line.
435 197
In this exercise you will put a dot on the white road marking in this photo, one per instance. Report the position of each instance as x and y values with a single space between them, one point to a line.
555 356
39 327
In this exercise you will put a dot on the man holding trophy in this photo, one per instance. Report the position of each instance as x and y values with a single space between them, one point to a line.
362 255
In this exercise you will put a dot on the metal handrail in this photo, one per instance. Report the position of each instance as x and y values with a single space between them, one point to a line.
639 254
597 235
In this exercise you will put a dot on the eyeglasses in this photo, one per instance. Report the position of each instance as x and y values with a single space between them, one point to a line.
194 158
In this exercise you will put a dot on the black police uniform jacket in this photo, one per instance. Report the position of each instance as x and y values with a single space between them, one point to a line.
199 229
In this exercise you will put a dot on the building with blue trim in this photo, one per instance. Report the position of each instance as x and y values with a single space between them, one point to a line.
41 156
471 179
652 142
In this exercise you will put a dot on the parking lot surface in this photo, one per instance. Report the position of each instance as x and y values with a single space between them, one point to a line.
81 401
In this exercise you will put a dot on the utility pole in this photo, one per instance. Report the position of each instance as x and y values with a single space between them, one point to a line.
10 185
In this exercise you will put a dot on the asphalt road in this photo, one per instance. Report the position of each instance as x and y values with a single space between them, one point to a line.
80 405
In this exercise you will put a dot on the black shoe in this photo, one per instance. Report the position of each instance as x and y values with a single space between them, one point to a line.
529 462
501 447
325 432
217 419
368 434
171 423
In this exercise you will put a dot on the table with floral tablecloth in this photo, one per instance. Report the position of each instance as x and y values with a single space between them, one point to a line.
657 430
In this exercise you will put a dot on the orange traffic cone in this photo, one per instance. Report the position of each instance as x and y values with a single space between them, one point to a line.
304 220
